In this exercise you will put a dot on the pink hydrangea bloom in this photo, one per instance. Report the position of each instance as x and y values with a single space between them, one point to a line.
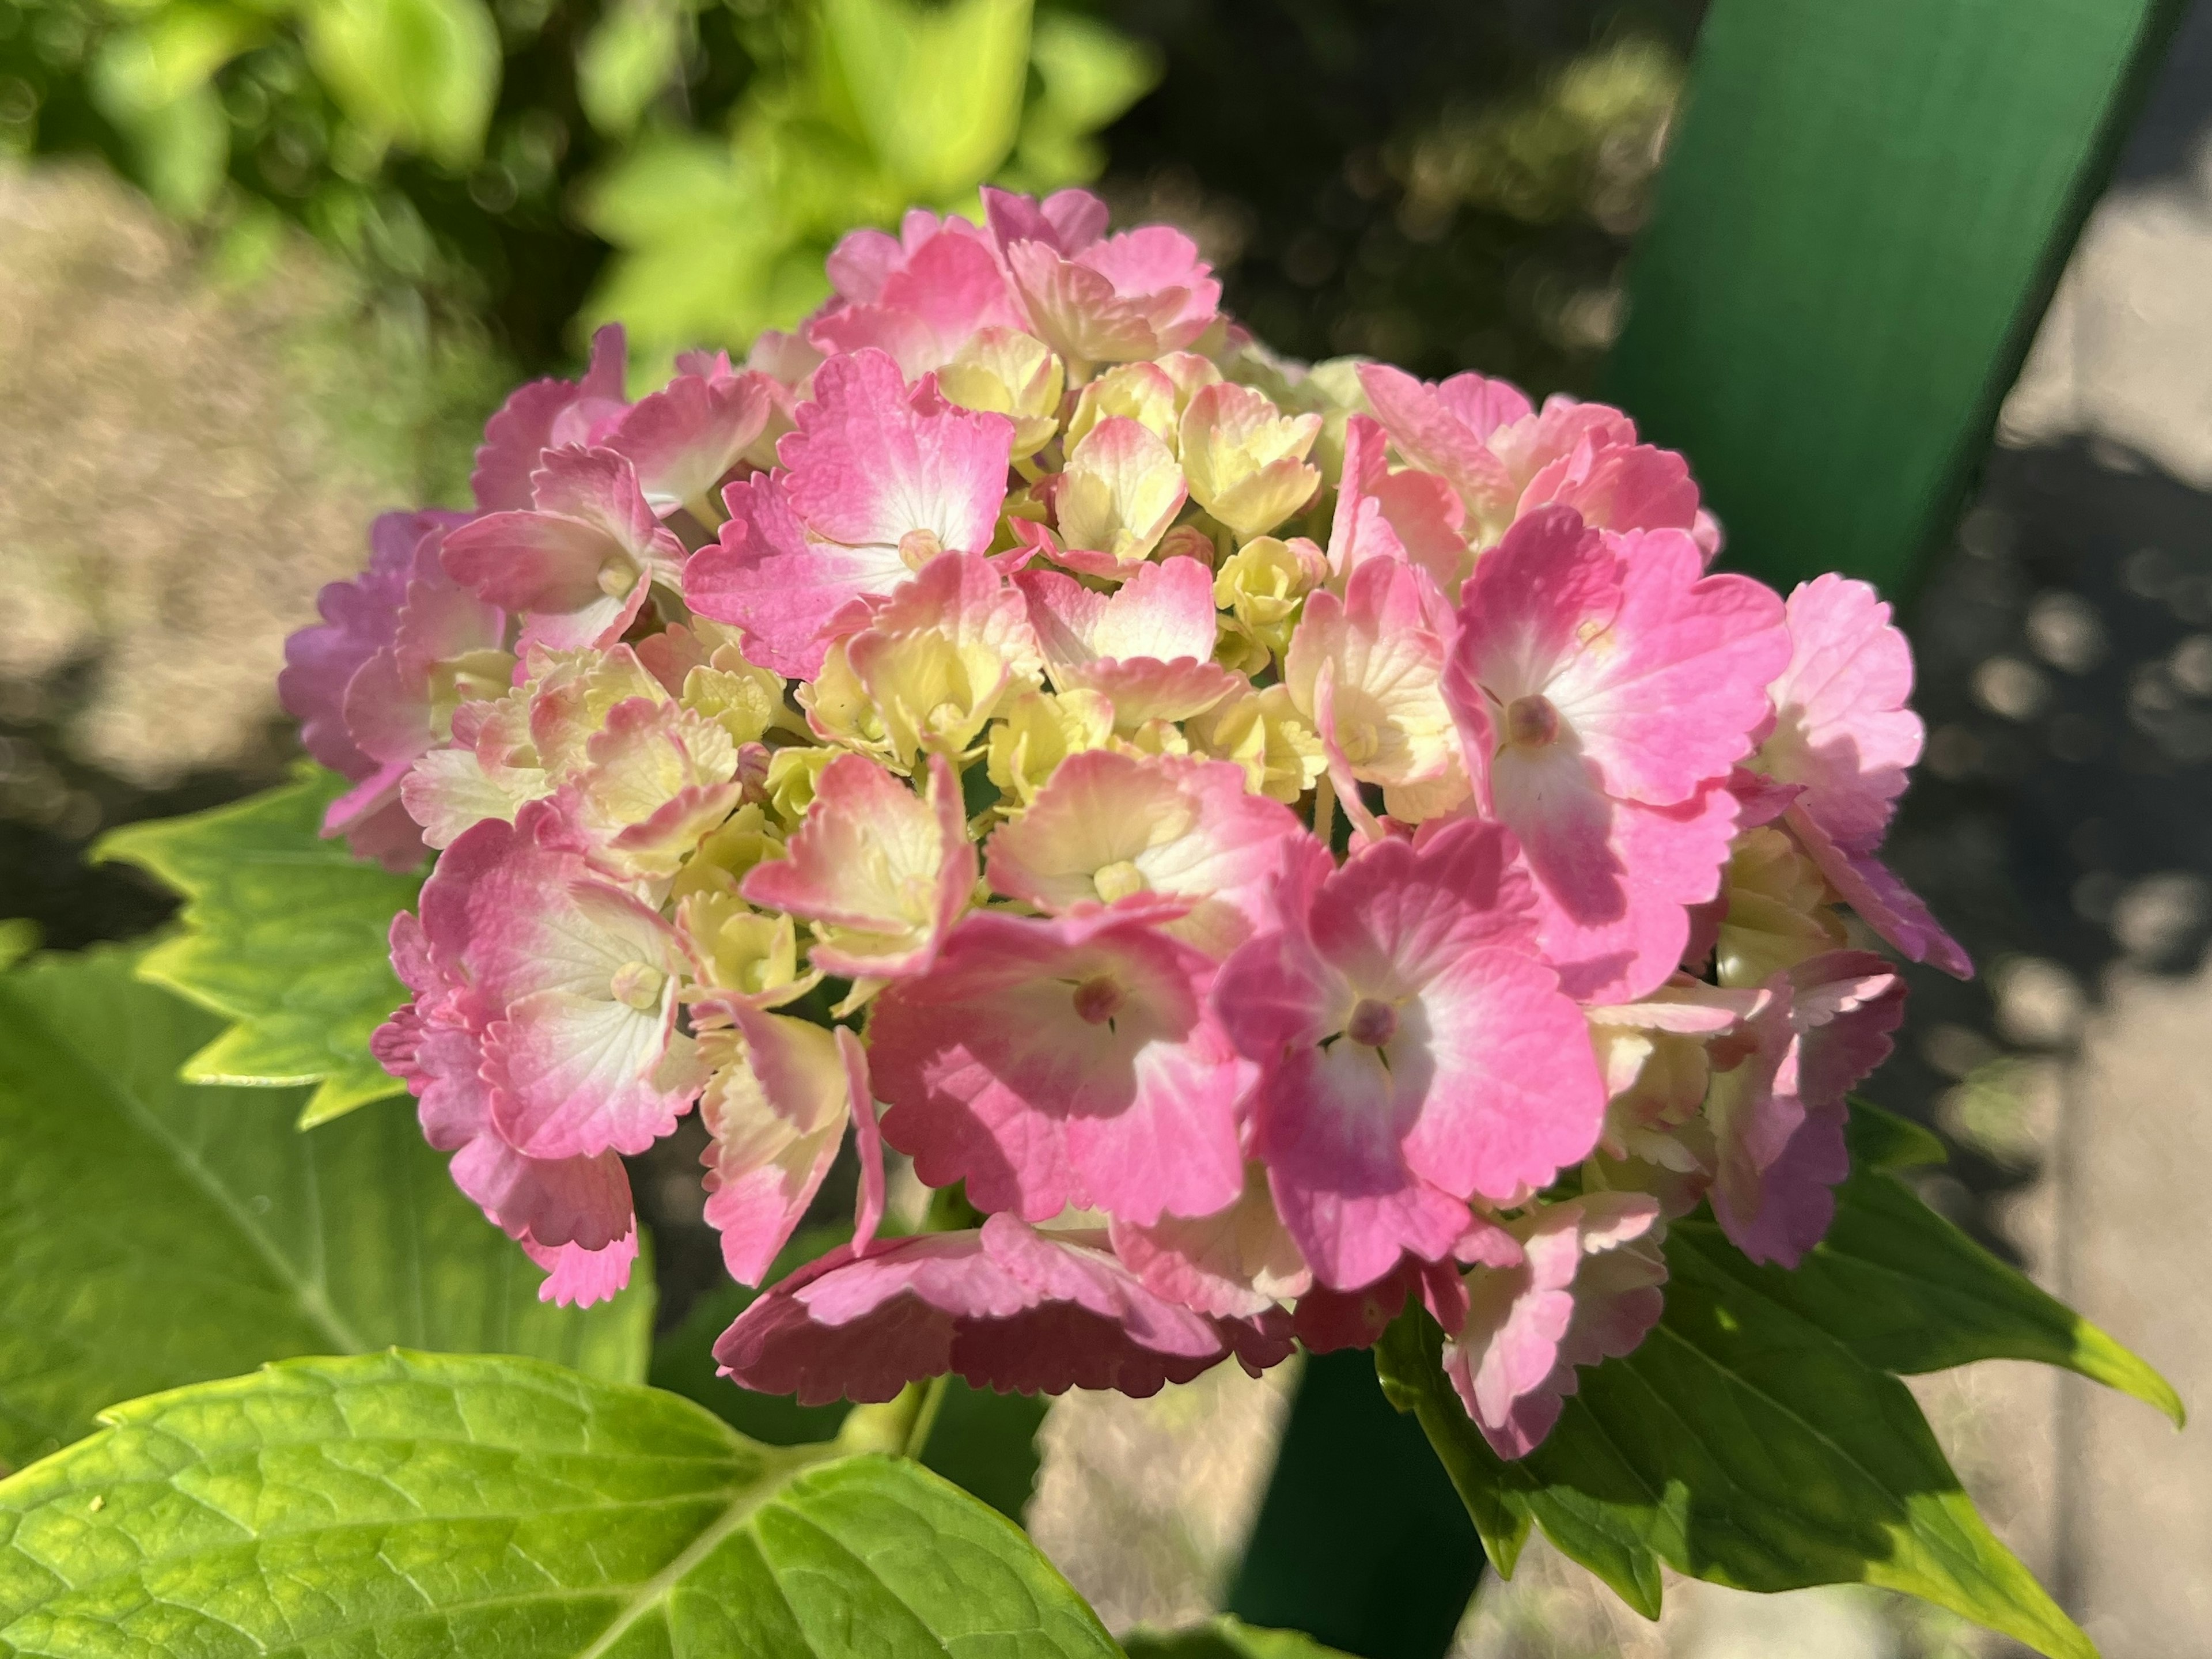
580 561
1097 299
1147 647
391 628
1006 1307
1605 688
1070 1059
1505 458
1368 670
1778 1115
880 478
547 415
776 1108
1584 1288
1844 739
570 1211
684 439
1239 1263
576 981
1109 826
919 296
1415 1052
882 871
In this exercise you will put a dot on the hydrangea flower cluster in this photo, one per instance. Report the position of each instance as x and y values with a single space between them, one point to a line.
1281 840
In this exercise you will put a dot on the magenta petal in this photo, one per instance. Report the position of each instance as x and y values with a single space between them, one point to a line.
1073 1060
1778 1115
1006 1308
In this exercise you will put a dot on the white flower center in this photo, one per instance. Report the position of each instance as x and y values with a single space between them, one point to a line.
637 985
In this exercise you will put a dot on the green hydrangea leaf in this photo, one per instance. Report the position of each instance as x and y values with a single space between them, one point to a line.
1883 1140
1907 1291
1225 1638
414 1505
1742 1444
284 934
158 1233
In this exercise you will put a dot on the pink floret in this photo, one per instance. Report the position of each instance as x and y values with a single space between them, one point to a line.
572 1215
1585 1289
1604 689
1416 1052
1073 1059
1778 1116
547 415
879 478
1006 1307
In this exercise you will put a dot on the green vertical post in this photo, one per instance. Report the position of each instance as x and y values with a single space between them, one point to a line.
1361 1540
1854 237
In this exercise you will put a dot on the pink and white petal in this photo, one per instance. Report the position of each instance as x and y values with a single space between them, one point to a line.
763 577
1435 436
576 1277
683 438
531 561
1885 903
1512 1093
1235 1263
1614 879
584 1201
1049 1062
1329 1124
1668 696
1400 914
575 1075
868 467
776 1113
1005 1307
1843 730
1586 1290
524 426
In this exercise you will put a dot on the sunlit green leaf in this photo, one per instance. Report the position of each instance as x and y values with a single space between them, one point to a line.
626 61
157 1233
1090 73
412 1506
422 73
936 89
284 933
1907 1291
1742 1444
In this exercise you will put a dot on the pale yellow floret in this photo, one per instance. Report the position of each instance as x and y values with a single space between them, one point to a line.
1037 730
1002 371
1245 459
727 854
739 949
1263 732
791 778
1138 391
1264 585
1118 500
1778 912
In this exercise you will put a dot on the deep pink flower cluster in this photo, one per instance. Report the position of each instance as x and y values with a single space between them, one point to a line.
1284 840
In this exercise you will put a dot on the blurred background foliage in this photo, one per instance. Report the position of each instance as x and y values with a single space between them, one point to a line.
1437 181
